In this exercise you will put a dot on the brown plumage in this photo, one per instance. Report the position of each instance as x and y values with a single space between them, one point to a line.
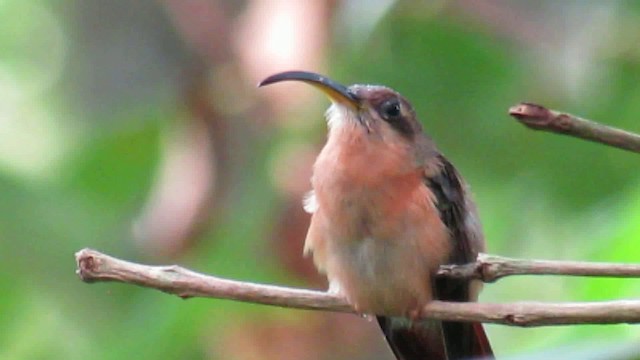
388 210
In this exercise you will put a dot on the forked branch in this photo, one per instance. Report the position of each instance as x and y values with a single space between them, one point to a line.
490 268
94 266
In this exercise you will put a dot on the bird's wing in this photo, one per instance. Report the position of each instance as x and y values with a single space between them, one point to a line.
435 340
458 213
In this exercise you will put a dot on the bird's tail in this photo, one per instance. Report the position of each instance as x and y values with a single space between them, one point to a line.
435 340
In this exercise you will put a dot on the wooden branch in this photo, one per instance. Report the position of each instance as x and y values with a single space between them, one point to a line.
94 266
490 268
539 117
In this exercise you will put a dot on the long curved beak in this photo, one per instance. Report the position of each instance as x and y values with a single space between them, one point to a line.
336 92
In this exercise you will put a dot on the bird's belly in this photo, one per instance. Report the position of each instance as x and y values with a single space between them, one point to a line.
381 276
379 238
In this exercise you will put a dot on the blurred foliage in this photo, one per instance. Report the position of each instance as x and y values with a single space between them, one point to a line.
72 176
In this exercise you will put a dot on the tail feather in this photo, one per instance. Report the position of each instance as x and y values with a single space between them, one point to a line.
414 340
435 340
466 341
481 345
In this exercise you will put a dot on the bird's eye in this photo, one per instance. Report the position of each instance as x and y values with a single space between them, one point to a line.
390 109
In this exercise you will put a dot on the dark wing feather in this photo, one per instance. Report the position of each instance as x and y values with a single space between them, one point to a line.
446 340
464 340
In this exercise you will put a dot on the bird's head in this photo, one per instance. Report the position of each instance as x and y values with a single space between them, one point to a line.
379 110
380 115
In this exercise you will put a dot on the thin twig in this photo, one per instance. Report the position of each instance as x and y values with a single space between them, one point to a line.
490 268
539 117
94 266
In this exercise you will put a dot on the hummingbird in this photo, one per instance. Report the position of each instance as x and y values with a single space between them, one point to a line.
387 210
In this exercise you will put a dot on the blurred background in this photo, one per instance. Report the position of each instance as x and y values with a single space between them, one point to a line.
135 128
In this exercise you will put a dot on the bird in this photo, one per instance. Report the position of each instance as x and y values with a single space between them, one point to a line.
387 210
